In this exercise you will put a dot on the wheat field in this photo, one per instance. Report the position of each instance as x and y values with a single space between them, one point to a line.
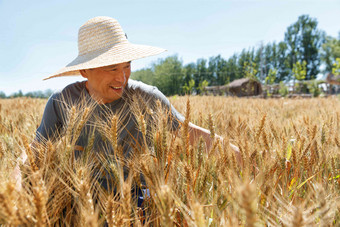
289 173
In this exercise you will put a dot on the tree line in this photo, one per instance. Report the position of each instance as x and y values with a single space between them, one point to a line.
305 52
31 94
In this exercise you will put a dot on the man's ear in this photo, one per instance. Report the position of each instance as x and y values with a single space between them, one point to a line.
83 73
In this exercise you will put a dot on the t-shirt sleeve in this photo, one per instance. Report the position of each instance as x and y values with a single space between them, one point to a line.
175 117
51 122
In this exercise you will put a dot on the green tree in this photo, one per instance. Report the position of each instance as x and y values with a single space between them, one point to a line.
330 52
39 94
2 95
264 60
272 56
233 72
267 58
250 70
201 71
168 75
336 67
313 87
299 73
269 53
189 87
145 75
300 70
189 70
283 90
246 60
202 85
17 94
270 79
282 62
304 40
218 68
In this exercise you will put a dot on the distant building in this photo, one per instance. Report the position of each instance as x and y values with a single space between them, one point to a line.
240 88
333 83
333 79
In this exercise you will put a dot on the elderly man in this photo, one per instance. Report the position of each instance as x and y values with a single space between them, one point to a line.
104 60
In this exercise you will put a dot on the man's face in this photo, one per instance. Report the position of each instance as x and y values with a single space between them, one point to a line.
106 84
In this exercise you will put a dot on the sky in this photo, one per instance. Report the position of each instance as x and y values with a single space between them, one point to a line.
38 37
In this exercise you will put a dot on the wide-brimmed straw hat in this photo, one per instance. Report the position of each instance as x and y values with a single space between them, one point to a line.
102 42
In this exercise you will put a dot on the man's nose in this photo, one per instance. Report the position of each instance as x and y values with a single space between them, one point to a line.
120 76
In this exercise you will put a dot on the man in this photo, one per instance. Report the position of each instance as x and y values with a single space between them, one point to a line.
104 59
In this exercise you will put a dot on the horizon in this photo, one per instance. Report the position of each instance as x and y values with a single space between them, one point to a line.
37 44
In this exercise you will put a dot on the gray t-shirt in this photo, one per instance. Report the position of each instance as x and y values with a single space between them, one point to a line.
55 116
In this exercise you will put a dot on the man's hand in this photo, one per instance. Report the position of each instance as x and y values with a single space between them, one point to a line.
195 132
237 152
16 174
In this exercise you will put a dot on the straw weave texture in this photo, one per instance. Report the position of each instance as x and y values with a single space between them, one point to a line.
102 42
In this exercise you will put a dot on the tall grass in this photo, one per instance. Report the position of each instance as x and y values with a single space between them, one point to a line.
288 176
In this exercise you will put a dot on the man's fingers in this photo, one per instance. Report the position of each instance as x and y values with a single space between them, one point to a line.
237 153
16 176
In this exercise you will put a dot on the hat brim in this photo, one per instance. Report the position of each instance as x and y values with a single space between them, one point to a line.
118 54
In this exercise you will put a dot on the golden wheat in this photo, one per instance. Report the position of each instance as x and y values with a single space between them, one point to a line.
289 174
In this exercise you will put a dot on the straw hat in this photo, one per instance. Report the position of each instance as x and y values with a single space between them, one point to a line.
102 42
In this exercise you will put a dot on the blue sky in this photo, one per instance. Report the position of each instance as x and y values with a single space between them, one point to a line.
38 37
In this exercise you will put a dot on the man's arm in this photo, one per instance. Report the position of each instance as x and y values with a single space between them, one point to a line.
195 132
